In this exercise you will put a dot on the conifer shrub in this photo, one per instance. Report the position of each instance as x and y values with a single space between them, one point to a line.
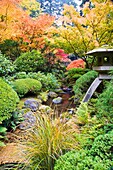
23 86
82 84
31 61
8 100
104 104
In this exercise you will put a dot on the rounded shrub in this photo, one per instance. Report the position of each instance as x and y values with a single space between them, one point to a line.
8 100
23 86
30 62
6 66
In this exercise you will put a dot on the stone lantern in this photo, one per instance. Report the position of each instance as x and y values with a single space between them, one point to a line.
104 57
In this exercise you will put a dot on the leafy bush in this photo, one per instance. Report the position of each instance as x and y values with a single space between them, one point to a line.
80 160
83 83
104 103
30 62
10 48
8 100
2 135
23 86
99 157
47 140
103 146
48 81
6 67
76 72
14 121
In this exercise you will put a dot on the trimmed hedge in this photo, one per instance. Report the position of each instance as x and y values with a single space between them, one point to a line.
23 86
8 100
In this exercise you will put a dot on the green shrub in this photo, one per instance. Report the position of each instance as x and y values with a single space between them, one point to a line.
83 83
75 73
48 81
23 86
8 100
103 146
2 135
104 104
79 160
6 67
30 62
10 48
14 121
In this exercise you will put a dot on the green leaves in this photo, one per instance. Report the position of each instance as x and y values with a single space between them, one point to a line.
23 86
6 67
30 62
8 100
2 135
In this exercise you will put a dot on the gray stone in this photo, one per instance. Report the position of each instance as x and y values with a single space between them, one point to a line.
52 94
57 100
33 104
29 121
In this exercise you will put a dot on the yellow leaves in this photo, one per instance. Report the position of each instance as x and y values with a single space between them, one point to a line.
30 5
85 32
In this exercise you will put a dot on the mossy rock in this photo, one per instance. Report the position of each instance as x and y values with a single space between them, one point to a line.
24 86
8 100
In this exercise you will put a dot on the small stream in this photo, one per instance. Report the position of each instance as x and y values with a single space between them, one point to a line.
66 104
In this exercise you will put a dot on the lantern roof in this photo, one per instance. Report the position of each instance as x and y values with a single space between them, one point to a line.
98 51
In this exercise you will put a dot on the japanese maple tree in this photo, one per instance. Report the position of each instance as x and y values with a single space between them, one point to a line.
78 33
18 25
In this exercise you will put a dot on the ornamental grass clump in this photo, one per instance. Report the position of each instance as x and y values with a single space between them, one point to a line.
47 140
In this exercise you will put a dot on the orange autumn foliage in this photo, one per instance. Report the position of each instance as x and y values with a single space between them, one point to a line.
76 64
16 24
